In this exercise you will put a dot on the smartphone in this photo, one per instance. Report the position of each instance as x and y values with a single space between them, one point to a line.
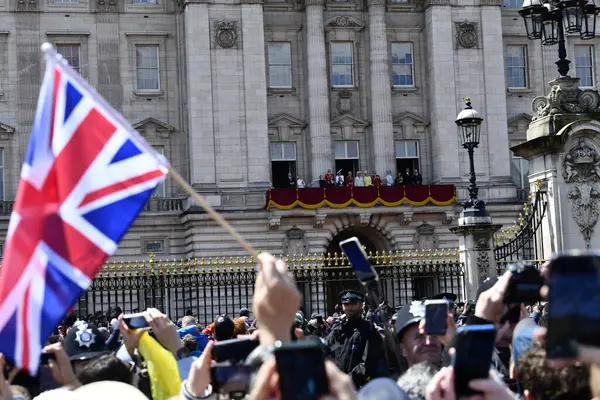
233 350
46 357
574 304
473 357
436 316
359 260
232 380
135 321
301 368
524 284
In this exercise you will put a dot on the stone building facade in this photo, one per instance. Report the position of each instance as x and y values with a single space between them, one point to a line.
232 91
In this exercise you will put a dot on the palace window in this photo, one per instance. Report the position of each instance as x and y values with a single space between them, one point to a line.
342 64
2 192
160 189
517 67
407 155
513 3
280 64
153 246
347 156
519 170
283 162
71 53
147 68
402 64
584 65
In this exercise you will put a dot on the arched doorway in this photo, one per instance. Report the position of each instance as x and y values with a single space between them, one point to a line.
340 277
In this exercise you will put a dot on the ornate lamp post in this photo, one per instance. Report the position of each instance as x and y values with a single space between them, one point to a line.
469 131
549 20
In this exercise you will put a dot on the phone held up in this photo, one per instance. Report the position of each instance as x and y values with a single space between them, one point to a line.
573 304
473 357
135 321
229 376
301 369
359 260
436 316
524 285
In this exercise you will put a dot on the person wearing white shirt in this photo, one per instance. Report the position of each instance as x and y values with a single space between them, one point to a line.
359 181
300 183
389 179
339 179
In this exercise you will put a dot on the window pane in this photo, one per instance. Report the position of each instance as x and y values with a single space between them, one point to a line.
144 1
400 149
340 150
289 151
279 53
513 3
584 65
402 64
147 56
341 63
342 75
71 53
147 79
517 66
280 76
411 149
352 149
276 151
341 52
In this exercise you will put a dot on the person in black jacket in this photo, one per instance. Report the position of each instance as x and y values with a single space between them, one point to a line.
354 344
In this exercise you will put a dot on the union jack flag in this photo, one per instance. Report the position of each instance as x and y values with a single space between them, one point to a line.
86 176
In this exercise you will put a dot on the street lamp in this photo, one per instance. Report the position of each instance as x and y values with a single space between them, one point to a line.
549 20
469 131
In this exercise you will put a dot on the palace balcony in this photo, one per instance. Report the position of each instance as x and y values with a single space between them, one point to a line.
364 197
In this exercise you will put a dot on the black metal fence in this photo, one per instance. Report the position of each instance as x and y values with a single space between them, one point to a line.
524 241
209 287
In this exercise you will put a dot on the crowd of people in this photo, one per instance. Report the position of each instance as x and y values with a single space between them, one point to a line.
363 361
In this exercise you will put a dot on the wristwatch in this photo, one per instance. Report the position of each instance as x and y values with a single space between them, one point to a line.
182 353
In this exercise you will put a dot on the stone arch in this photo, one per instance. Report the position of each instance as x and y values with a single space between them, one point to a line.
374 228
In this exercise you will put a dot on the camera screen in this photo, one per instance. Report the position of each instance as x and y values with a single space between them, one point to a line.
357 259
302 374
435 319
474 348
231 378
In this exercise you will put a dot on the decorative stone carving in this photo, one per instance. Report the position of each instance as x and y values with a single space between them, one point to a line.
483 265
364 219
274 222
344 103
295 242
425 237
27 5
482 242
344 22
319 220
496 3
226 33
566 97
448 217
406 218
466 34
581 172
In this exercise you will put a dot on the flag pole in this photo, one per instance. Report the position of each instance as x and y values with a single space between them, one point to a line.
211 211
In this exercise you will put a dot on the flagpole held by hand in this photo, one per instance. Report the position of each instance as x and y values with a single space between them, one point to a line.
215 215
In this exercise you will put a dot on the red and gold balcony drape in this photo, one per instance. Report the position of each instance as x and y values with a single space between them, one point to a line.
341 197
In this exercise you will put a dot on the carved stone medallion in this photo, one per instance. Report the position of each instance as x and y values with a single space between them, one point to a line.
425 237
344 102
466 34
295 242
581 172
226 34
27 5
107 6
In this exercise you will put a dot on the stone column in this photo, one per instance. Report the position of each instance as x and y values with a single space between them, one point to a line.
318 98
381 92
476 251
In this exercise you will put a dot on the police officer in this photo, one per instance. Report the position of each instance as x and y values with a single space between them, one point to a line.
354 344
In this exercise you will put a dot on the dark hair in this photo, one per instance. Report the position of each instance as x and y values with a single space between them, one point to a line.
105 368
53 339
70 319
535 374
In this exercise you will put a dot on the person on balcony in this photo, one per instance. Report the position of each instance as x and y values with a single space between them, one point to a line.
389 179
359 181
407 177
291 180
417 178
329 178
339 178
349 181
367 179
300 183
376 179
399 180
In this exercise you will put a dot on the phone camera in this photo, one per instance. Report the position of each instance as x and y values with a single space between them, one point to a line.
524 285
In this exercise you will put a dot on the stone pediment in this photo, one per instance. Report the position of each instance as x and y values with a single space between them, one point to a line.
408 116
152 124
6 131
284 119
282 124
344 22
349 120
519 124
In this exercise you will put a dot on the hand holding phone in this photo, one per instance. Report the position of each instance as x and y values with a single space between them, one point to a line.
359 260
436 317
473 357
136 321
301 369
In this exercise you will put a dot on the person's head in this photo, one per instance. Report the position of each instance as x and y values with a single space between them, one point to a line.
19 393
188 320
239 327
224 328
70 319
408 170
352 303
416 347
83 343
290 174
540 381
104 332
416 172
328 171
244 312
107 367
53 339
115 312
415 380
190 342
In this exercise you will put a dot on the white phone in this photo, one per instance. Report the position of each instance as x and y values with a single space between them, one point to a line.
359 260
